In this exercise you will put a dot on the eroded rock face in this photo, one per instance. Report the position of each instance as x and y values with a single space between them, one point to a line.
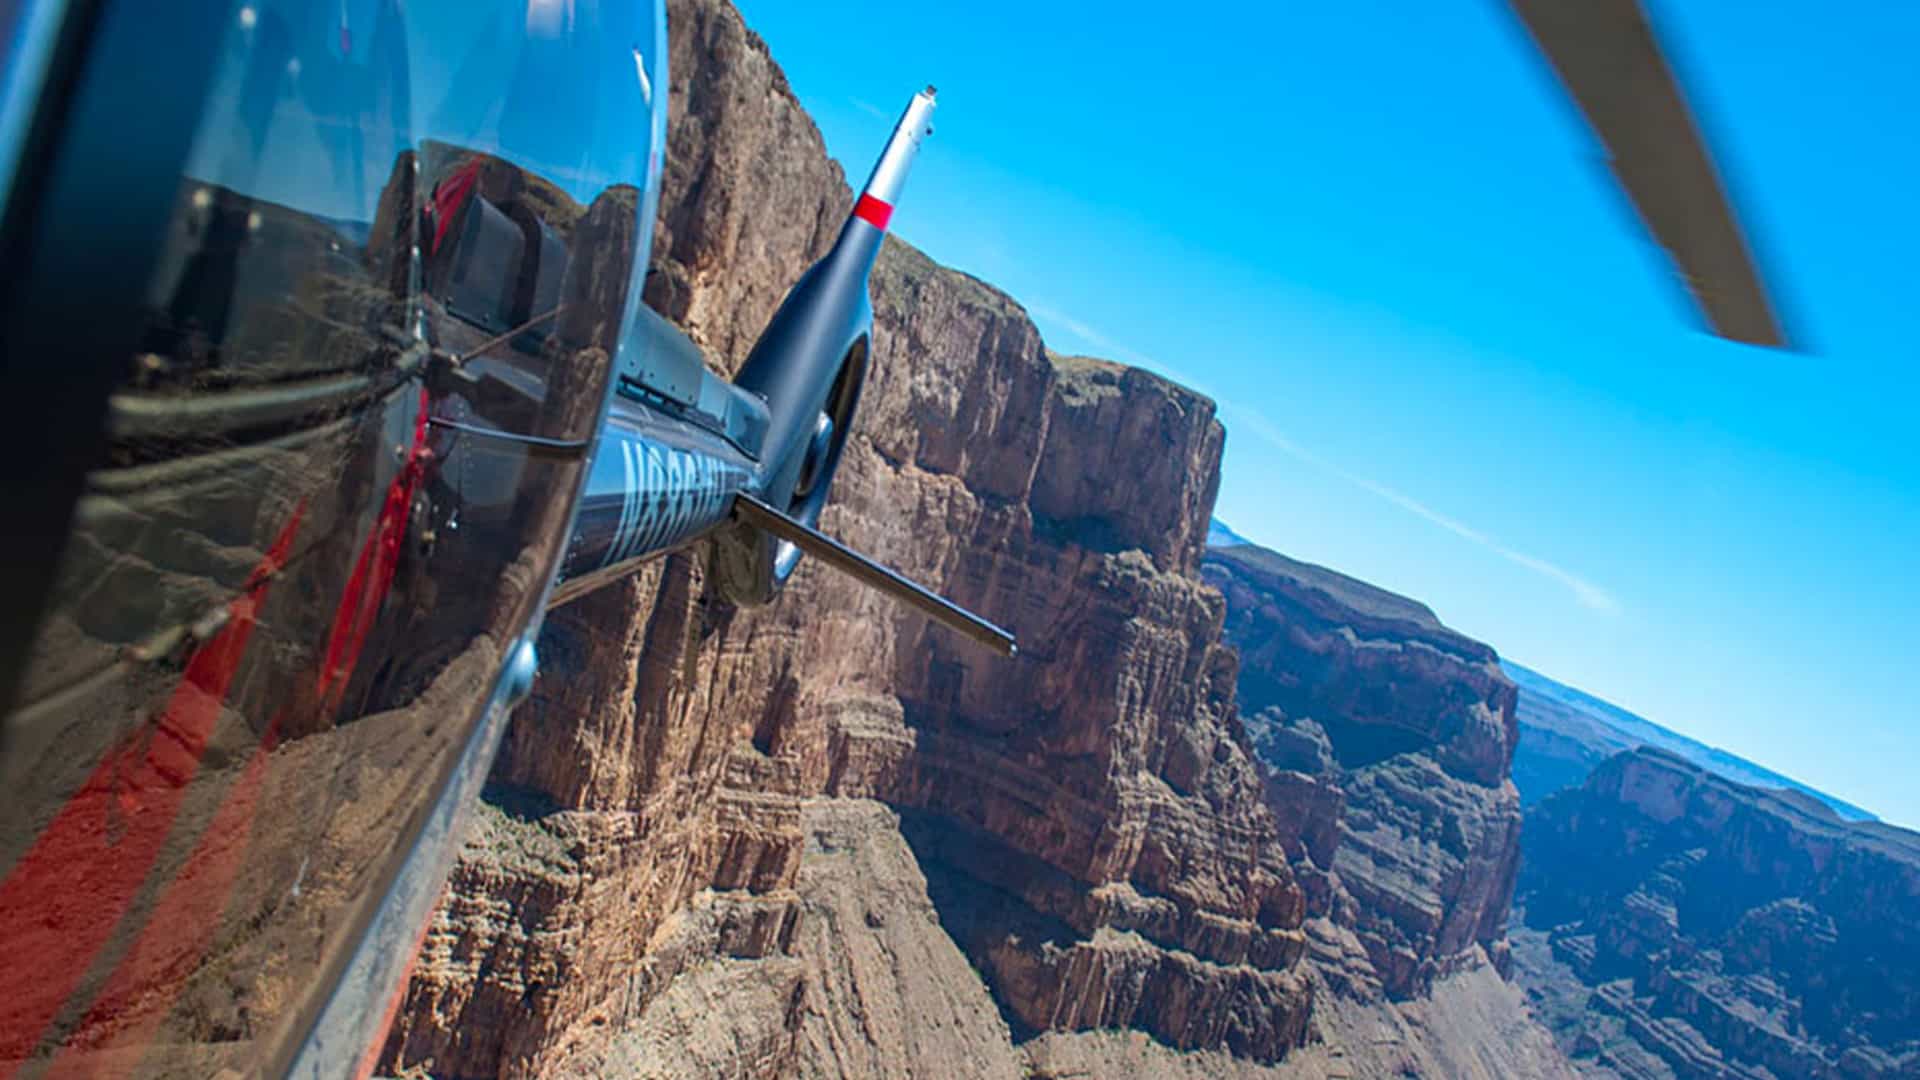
1724 929
646 814
1387 739
867 985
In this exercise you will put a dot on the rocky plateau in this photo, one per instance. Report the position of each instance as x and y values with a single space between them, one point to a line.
1679 924
1387 739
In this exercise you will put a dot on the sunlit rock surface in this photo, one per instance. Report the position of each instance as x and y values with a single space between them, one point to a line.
1388 739
1093 826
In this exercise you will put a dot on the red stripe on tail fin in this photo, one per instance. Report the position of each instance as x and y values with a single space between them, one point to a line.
873 212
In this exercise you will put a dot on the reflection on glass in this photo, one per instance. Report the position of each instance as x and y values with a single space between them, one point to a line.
340 474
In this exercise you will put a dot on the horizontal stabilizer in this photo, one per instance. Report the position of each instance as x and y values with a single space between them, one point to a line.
1606 54
751 511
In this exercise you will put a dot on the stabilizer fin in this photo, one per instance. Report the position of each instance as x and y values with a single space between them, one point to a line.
751 511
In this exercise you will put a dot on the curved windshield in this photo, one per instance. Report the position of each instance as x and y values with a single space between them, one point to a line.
339 473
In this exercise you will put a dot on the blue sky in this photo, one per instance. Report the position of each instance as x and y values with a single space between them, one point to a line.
1448 361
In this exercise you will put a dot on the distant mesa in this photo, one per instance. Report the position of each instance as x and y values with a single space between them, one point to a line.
1677 911
1565 733
1340 598
1385 738
1219 535
1679 923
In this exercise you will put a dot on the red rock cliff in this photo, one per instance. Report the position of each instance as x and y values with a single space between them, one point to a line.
1090 822
1389 739
1698 927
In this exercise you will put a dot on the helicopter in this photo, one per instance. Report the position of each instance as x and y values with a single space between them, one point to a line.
335 375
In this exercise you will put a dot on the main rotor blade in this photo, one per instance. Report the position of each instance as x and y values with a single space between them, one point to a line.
1606 55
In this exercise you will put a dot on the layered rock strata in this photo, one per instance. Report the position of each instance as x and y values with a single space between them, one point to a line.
1388 739
645 820
1696 927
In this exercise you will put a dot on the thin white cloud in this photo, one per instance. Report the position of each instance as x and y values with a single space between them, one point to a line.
1588 594
871 109
1076 328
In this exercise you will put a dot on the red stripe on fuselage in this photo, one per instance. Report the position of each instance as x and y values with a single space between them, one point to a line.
63 899
189 909
177 935
373 572
873 212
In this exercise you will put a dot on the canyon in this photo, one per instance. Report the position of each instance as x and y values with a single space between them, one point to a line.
649 814
826 838
1678 924
1228 814
1388 739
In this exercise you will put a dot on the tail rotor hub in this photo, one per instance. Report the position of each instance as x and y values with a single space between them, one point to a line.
819 449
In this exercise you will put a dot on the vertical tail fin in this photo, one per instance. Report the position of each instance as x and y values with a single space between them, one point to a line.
809 366
875 205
